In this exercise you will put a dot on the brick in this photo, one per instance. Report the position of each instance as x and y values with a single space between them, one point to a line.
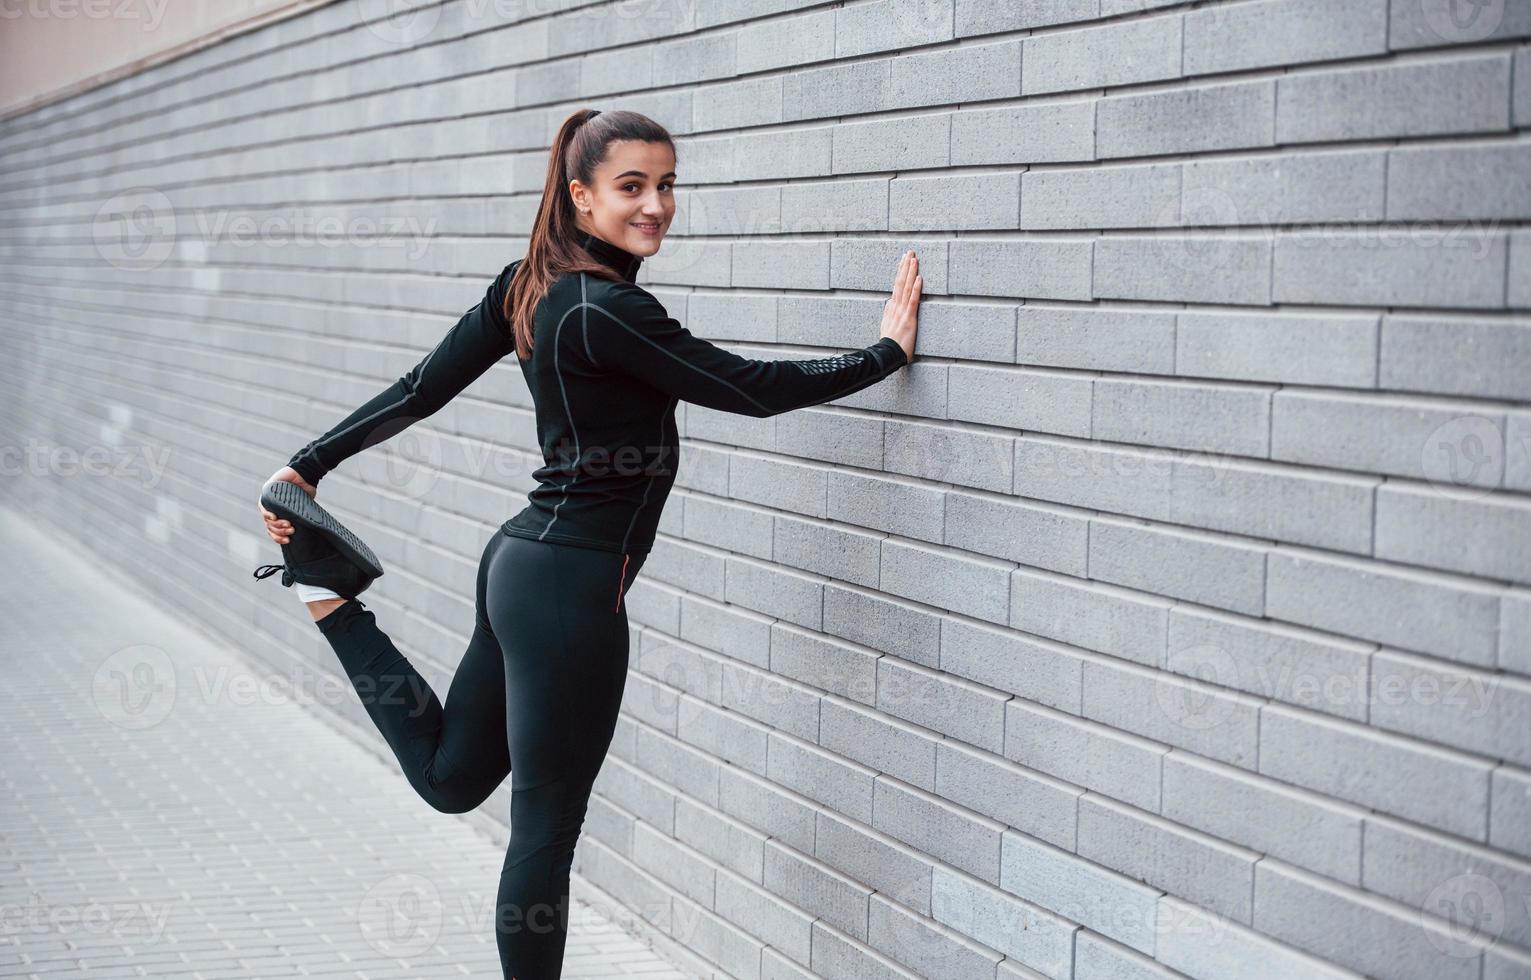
1175 711
1324 919
1123 53
890 505
1025 134
1096 339
1109 197
1476 711
1204 568
1415 610
1429 24
885 25
882 623
1283 32
1186 120
1487 358
931 950
816 888
841 553
1007 792
1510 811
934 700
821 776
1522 95
952 835
1467 532
1459 182
1400 436
749 102
1022 268
1271 660
1457 268
1044 401
1024 932
1037 535
1183 269
1338 351
941 577
968 458
1099 617
1097 898
1212 874
839 90
824 663
1265 816
1098 958
1433 786
1463 95
1265 501
1214 418
965 201
994 16
1038 670
786 41
894 144
1428 871
842 205
1269 190
974 73
1198 943
764 916
871 738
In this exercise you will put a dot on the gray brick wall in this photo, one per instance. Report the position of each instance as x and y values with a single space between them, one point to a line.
1171 617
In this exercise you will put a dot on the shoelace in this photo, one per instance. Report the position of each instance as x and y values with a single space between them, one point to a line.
266 571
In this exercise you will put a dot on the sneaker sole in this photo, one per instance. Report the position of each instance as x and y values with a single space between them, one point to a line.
290 502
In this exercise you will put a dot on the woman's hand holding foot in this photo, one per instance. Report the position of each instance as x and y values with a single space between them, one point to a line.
279 529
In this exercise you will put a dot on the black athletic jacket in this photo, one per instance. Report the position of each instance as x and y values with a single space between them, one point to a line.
608 365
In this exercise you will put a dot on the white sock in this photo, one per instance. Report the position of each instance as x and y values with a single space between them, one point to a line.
313 593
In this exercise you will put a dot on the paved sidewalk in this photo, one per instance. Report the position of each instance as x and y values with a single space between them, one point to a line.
170 810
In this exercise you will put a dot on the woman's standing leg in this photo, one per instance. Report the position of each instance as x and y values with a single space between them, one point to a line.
564 635
454 756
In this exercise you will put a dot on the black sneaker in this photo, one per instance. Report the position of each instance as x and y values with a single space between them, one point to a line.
321 551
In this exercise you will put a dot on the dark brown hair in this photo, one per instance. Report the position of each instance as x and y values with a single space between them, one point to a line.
580 147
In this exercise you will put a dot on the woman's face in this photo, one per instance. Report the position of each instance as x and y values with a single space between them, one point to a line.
631 200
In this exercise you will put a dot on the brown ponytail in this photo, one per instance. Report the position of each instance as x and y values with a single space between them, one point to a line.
553 250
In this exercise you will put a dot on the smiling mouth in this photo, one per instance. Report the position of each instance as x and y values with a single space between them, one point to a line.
653 227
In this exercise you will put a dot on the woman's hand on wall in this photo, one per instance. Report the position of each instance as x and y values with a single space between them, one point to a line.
279 529
901 315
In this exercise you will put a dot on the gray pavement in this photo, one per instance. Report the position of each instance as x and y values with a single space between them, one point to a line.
169 809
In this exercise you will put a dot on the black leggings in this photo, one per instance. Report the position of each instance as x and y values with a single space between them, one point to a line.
535 696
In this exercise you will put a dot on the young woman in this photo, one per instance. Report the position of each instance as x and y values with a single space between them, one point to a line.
537 692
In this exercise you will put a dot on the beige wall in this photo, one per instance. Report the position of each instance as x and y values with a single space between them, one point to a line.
50 49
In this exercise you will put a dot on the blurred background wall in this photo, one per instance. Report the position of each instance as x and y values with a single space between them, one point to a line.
52 50
1171 616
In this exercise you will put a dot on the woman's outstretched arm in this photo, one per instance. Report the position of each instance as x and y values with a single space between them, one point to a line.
471 347
638 337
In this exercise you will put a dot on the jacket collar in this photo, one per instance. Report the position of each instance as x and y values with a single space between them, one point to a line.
620 259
